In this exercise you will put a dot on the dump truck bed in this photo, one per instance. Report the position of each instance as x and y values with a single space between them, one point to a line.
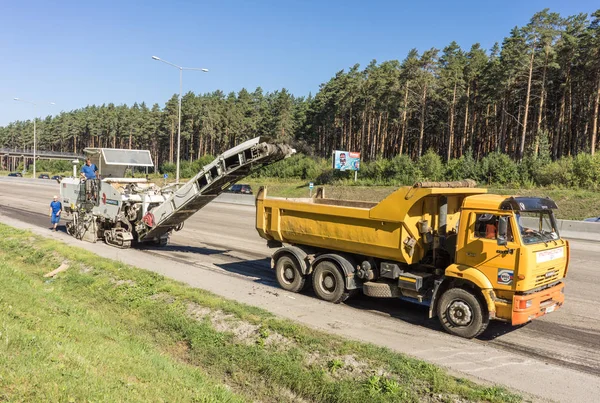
384 230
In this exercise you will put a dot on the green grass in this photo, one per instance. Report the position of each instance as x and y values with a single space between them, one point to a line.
103 331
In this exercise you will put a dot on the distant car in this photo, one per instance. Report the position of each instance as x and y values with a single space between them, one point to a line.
56 177
243 189
17 174
44 176
593 219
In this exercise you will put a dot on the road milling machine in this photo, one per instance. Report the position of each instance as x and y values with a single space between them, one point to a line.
123 210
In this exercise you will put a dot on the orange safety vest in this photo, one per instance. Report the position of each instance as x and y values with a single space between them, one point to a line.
490 231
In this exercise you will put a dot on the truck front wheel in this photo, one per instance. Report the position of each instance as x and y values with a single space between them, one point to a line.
461 313
289 276
328 283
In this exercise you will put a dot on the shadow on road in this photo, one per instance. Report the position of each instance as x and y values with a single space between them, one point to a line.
181 249
496 329
405 311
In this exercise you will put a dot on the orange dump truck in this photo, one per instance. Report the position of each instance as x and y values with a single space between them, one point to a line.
470 256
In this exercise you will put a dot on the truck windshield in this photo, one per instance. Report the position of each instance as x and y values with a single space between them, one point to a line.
537 226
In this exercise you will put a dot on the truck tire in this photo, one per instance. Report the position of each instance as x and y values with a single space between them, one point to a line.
328 282
381 290
289 276
461 313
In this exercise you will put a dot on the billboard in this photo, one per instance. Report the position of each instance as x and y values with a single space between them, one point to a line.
346 161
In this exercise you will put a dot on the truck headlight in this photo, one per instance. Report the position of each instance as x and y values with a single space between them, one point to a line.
525 304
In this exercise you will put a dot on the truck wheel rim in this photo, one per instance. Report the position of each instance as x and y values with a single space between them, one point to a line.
288 274
328 283
460 313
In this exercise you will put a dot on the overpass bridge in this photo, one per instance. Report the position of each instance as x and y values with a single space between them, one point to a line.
10 158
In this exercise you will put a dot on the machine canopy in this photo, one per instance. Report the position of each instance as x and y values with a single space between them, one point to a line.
112 162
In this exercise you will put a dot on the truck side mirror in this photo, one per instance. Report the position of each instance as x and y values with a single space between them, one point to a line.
502 238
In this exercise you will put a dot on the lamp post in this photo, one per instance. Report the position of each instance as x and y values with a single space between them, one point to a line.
34 121
180 89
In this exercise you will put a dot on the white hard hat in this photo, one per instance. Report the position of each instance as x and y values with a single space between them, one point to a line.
55 196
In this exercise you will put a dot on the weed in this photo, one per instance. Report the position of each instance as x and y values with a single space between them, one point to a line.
334 365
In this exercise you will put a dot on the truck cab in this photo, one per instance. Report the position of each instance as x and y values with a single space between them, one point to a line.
511 248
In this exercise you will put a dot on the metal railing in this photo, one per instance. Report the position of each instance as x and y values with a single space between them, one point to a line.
39 154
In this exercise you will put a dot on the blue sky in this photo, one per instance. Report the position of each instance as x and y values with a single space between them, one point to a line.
74 53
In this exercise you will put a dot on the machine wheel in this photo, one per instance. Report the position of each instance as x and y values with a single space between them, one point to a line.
328 282
461 313
161 242
289 276
70 228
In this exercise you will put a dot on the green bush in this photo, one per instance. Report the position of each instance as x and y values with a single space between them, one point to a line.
54 166
556 174
493 169
431 166
200 163
464 167
497 169
168 168
379 170
586 170
298 166
405 171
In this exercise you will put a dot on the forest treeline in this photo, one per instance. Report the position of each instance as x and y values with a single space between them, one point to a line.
539 87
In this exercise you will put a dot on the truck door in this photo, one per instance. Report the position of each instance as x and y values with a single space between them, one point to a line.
480 250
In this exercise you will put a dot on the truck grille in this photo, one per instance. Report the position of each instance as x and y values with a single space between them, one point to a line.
548 277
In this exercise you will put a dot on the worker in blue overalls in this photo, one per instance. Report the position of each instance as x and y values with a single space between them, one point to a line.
55 209
89 170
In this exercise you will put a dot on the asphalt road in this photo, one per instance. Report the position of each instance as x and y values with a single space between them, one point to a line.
556 357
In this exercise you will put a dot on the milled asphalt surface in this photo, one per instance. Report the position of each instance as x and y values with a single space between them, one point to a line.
555 358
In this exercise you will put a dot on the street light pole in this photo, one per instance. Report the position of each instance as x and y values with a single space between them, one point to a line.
34 129
34 137
179 125
180 96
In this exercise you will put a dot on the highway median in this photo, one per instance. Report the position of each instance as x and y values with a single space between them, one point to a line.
76 327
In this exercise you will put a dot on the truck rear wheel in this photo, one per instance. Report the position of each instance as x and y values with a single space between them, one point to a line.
461 313
289 276
328 283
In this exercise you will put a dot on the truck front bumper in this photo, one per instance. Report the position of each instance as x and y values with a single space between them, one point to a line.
531 306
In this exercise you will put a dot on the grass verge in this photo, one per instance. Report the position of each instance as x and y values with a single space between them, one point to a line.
104 331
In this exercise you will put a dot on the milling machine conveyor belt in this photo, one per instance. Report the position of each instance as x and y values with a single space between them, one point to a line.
213 180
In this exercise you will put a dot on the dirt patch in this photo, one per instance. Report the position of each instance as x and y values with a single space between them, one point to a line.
122 282
288 395
195 310
164 297
85 269
346 366
278 341
243 332
180 351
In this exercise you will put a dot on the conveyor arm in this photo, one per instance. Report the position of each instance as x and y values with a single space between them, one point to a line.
214 178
